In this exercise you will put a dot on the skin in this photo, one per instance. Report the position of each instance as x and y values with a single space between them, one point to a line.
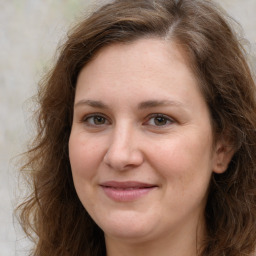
117 136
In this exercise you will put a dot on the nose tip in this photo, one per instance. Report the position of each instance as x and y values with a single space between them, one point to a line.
123 154
120 161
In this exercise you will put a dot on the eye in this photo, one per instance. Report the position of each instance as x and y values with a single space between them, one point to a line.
159 120
95 120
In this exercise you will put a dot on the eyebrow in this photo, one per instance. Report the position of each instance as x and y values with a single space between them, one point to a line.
159 103
92 103
141 106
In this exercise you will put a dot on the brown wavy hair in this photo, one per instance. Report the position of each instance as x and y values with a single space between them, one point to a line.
54 217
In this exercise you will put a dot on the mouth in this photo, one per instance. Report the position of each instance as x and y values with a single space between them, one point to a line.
126 191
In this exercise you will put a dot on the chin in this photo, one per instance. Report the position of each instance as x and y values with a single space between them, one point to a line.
130 226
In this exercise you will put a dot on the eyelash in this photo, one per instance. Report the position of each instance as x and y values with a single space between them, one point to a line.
93 117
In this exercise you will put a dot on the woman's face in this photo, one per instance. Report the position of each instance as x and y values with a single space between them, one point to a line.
141 142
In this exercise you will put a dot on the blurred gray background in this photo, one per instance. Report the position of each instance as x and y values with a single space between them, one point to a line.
30 32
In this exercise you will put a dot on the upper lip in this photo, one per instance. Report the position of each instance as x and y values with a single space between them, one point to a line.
127 184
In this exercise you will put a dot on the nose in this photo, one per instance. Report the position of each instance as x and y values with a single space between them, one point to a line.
124 151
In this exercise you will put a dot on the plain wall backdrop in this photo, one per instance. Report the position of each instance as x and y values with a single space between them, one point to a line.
30 32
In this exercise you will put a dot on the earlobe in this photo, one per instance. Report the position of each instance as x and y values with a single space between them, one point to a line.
223 155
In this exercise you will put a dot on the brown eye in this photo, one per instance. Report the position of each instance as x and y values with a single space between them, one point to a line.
99 120
159 120
95 120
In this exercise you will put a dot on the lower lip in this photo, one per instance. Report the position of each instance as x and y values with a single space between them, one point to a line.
126 195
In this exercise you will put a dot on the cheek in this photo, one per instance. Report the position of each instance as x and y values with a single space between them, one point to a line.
184 161
85 156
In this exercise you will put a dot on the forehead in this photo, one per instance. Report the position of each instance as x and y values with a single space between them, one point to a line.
147 55
154 48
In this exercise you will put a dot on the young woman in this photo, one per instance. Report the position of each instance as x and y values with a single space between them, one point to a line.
146 138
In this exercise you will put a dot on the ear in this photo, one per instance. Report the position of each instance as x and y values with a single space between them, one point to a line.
223 154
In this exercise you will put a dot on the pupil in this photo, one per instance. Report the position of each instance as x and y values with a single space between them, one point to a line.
98 120
160 121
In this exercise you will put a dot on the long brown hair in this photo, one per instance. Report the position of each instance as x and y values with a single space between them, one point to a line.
53 214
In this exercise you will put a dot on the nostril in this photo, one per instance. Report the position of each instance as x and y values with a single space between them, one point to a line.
123 159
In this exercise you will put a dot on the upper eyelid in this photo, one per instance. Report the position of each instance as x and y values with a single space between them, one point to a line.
87 116
160 115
